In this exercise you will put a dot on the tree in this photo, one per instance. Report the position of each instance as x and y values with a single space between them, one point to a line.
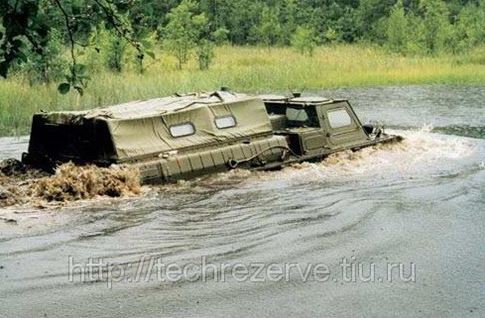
26 42
289 15
397 28
205 54
24 29
220 36
26 24
49 64
469 29
369 19
183 30
435 25
303 40
115 52
240 19
268 30
331 35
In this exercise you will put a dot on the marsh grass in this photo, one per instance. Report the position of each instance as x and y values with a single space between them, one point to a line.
246 69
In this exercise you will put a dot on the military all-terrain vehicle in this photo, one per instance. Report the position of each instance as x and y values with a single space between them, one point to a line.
184 136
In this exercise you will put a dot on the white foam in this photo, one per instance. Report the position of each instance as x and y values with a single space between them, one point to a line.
420 153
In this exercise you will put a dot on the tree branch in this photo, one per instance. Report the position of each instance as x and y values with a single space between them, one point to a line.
118 26
69 32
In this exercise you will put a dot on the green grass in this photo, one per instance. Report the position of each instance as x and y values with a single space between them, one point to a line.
246 69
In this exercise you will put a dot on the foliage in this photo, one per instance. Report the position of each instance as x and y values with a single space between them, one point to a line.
268 30
330 35
435 25
49 64
23 23
26 25
304 40
220 36
288 15
397 28
183 30
115 52
205 54
469 30
34 32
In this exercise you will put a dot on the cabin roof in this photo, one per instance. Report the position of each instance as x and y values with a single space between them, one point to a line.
300 100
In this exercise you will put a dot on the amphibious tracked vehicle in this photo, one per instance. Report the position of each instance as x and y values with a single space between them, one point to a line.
184 136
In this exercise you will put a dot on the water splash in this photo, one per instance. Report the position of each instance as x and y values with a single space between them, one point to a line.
421 152
70 183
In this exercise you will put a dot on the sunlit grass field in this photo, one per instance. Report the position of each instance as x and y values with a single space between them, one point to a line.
245 69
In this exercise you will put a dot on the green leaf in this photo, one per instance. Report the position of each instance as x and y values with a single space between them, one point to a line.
147 44
21 56
82 77
16 43
80 69
64 88
3 69
150 54
79 89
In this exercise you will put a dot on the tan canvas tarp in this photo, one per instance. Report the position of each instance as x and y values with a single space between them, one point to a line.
141 128
148 132
135 137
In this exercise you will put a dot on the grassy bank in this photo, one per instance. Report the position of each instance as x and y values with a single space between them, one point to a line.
246 69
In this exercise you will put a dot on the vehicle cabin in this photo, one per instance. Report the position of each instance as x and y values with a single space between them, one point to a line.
315 123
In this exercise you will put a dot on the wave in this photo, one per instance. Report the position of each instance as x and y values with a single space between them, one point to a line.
462 130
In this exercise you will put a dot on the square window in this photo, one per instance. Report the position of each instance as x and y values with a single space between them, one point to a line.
225 122
182 130
339 118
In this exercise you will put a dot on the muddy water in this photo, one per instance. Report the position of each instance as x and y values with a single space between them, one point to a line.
418 204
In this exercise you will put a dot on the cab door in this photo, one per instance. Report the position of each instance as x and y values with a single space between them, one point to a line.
342 126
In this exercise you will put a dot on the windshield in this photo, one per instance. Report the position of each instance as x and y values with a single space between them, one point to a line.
302 116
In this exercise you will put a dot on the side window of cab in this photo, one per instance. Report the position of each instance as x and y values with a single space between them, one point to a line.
339 118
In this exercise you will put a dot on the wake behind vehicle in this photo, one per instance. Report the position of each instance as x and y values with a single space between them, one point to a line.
185 136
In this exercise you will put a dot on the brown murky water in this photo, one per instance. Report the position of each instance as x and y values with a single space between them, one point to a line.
418 204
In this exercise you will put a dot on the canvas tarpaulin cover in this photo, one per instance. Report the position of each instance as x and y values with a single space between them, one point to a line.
142 128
